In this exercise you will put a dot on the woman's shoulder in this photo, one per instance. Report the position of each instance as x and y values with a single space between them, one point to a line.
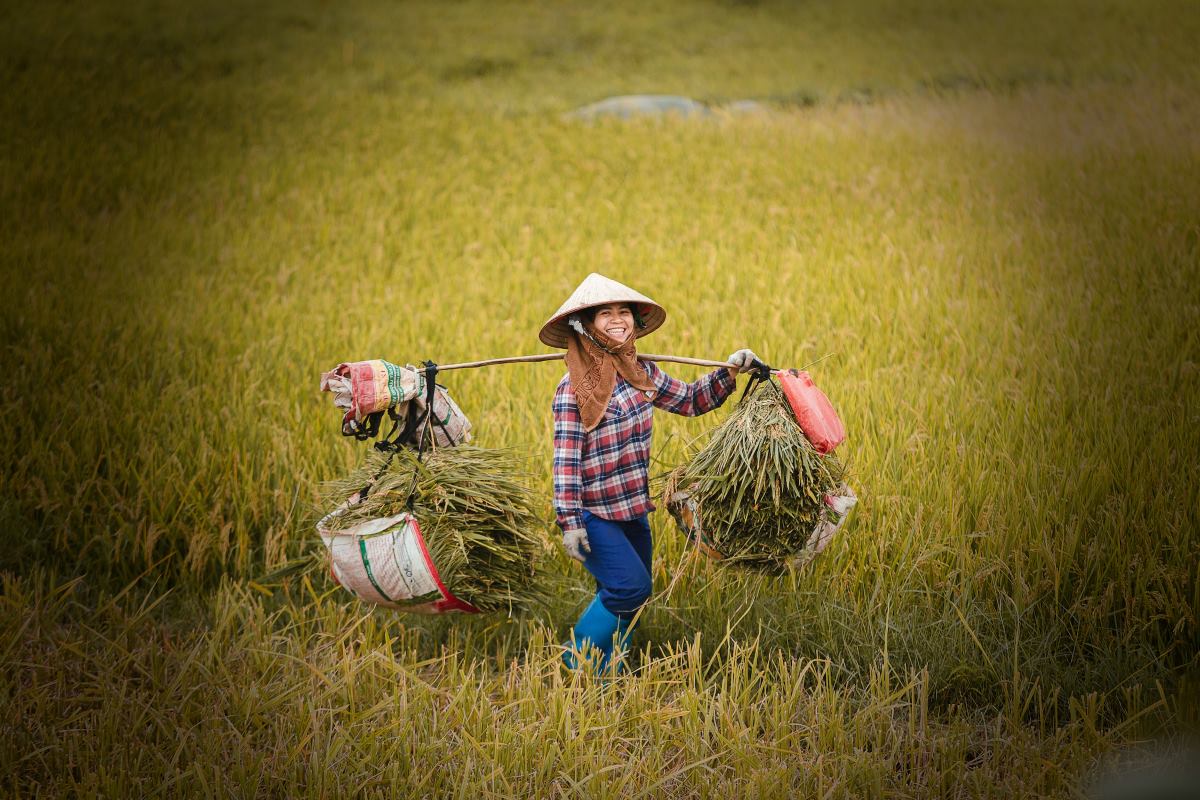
653 371
564 399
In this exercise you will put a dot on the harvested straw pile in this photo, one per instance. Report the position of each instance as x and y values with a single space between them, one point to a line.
476 517
758 484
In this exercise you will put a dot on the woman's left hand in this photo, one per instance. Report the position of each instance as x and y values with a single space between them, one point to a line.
742 361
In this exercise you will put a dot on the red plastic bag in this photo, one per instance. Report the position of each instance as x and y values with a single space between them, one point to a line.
813 410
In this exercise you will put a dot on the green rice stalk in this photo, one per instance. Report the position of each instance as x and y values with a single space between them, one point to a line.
476 513
759 483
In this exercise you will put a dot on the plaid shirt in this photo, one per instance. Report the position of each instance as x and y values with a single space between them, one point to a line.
606 471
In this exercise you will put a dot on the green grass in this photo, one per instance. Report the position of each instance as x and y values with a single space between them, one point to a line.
988 216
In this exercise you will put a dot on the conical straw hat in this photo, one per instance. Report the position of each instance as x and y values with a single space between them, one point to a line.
597 290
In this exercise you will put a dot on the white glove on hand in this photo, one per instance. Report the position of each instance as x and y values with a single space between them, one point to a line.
576 542
743 360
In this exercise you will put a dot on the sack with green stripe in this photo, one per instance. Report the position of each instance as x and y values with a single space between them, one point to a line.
452 529
366 390
385 561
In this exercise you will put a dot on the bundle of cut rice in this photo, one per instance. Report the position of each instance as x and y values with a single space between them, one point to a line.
758 494
476 534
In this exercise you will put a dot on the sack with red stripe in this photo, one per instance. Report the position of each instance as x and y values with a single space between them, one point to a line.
385 561
437 530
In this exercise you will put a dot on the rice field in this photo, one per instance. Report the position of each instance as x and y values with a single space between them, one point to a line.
983 219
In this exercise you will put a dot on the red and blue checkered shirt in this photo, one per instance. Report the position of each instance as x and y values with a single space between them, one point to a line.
606 471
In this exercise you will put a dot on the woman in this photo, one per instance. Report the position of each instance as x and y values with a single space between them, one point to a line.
603 415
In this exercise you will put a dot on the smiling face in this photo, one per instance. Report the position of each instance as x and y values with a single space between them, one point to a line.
615 321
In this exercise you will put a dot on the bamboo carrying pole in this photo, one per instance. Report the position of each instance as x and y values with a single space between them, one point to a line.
487 362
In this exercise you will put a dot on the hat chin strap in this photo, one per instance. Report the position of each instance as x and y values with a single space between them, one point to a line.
577 325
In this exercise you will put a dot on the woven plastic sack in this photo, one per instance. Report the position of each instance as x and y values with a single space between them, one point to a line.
363 388
384 561
450 425
813 411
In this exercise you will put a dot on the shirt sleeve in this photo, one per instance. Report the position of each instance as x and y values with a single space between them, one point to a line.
690 399
569 437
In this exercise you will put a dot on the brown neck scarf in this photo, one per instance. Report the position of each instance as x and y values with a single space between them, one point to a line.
593 361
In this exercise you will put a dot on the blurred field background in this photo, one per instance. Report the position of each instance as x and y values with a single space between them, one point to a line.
988 213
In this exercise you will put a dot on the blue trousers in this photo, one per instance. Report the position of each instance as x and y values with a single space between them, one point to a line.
620 562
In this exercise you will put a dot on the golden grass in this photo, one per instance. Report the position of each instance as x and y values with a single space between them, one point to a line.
995 234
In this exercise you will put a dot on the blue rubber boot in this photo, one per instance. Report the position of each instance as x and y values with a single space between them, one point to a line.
592 637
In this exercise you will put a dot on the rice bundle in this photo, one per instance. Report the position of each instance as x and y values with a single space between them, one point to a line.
758 485
476 516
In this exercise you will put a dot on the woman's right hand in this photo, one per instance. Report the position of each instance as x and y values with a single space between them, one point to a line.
576 543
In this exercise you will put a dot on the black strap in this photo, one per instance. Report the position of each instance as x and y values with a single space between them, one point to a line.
431 371
367 429
391 445
760 373
393 441
442 425
408 434
395 418
426 429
